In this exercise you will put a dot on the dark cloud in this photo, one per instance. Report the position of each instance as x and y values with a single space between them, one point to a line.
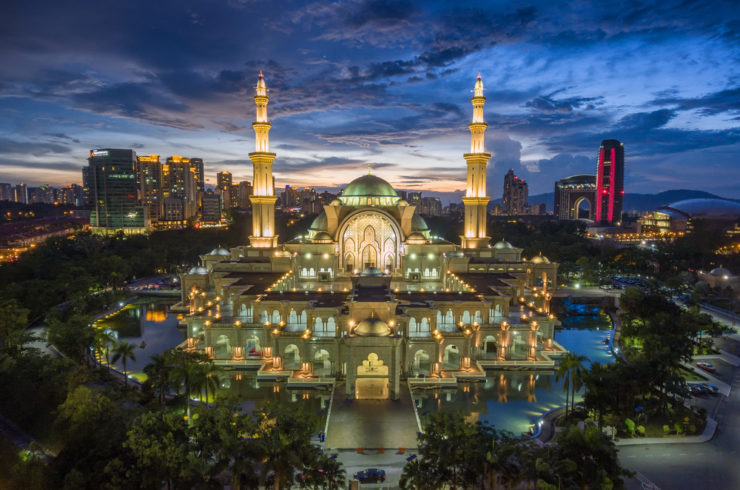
34 148
549 105
646 120
713 103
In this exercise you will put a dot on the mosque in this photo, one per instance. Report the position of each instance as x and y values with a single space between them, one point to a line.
369 296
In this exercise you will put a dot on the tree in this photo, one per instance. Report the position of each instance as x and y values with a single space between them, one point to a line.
161 447
102 343
283 441
159 375
577 371
581 459
419 475
124 351
185 371
563 373
13 321
70 331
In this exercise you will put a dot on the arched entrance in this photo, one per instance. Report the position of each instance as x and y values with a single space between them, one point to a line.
451 357
372 379
369 238
422 363
582 208
292 357
322 363
490 349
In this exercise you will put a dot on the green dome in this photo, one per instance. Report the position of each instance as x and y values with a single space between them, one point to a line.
369 190
418 224
320 223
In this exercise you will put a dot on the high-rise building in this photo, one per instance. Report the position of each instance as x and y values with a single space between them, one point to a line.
610 183
43 194
197 165
211 208
178 181
6 192
475 199
223 180
86 186
245 190
516 195
430 206
20 193
150 184
571 193
116 205
65 196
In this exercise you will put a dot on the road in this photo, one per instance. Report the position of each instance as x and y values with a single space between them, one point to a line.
712 465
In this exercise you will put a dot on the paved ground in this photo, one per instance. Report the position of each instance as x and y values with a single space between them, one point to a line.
391 462
386 424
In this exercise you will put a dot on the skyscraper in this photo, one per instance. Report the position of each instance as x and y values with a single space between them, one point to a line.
223 180
20 193
610 183
150 184
197 166
114 192
6 192
516 194
179 183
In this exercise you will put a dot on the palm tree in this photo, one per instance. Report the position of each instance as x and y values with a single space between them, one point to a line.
103 340
124 351
185 372
562 373
210 378
159 374
577 373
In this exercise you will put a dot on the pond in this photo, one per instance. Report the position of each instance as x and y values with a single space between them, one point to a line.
148 324
516 400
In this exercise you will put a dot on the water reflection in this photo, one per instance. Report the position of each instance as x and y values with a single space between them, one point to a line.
149 325
515 400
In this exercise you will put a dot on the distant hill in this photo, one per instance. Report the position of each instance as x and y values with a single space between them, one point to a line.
633 202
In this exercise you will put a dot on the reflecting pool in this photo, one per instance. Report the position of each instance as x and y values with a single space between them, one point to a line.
515 400
148 324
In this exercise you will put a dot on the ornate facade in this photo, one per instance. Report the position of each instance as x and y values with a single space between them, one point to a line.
369 296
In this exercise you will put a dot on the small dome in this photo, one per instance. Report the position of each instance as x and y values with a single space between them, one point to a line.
540 259
335 202
418 224
220 251
720 272
322 237
371 272
416 238
198 270
503 244
320 223
403 202
372 327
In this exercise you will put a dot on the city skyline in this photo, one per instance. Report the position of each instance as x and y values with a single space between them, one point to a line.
180 79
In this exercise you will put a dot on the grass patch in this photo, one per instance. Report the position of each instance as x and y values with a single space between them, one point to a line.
690 375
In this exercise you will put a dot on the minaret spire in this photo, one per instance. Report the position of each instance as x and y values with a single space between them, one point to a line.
475 199
263 199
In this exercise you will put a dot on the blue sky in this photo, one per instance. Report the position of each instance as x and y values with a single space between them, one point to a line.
377 82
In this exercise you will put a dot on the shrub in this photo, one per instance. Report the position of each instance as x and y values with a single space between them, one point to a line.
641 430
678 427
630 426
666 430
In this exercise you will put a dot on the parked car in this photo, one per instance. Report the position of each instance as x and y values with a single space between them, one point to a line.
696 390
706 367
712 388
370 475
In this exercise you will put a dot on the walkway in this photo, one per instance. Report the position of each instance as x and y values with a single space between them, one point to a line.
388 424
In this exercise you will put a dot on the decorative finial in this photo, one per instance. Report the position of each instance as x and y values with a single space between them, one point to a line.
478 75
369 169
262 76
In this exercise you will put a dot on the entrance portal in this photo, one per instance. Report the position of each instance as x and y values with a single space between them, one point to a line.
372 380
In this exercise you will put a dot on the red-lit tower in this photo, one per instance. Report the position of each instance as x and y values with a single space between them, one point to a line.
610 183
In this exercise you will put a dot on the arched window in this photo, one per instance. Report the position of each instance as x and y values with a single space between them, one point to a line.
466 317
292 319
303 319
413 328
331 327
424 328
318 325
477 318
263 316
275 316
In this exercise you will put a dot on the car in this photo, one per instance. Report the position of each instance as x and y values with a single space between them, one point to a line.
712 388
706 367
370 475
695 390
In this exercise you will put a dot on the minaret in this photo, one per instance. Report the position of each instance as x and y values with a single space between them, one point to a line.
263 199
475 199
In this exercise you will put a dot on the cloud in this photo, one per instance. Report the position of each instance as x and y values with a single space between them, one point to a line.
646 120
30 148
